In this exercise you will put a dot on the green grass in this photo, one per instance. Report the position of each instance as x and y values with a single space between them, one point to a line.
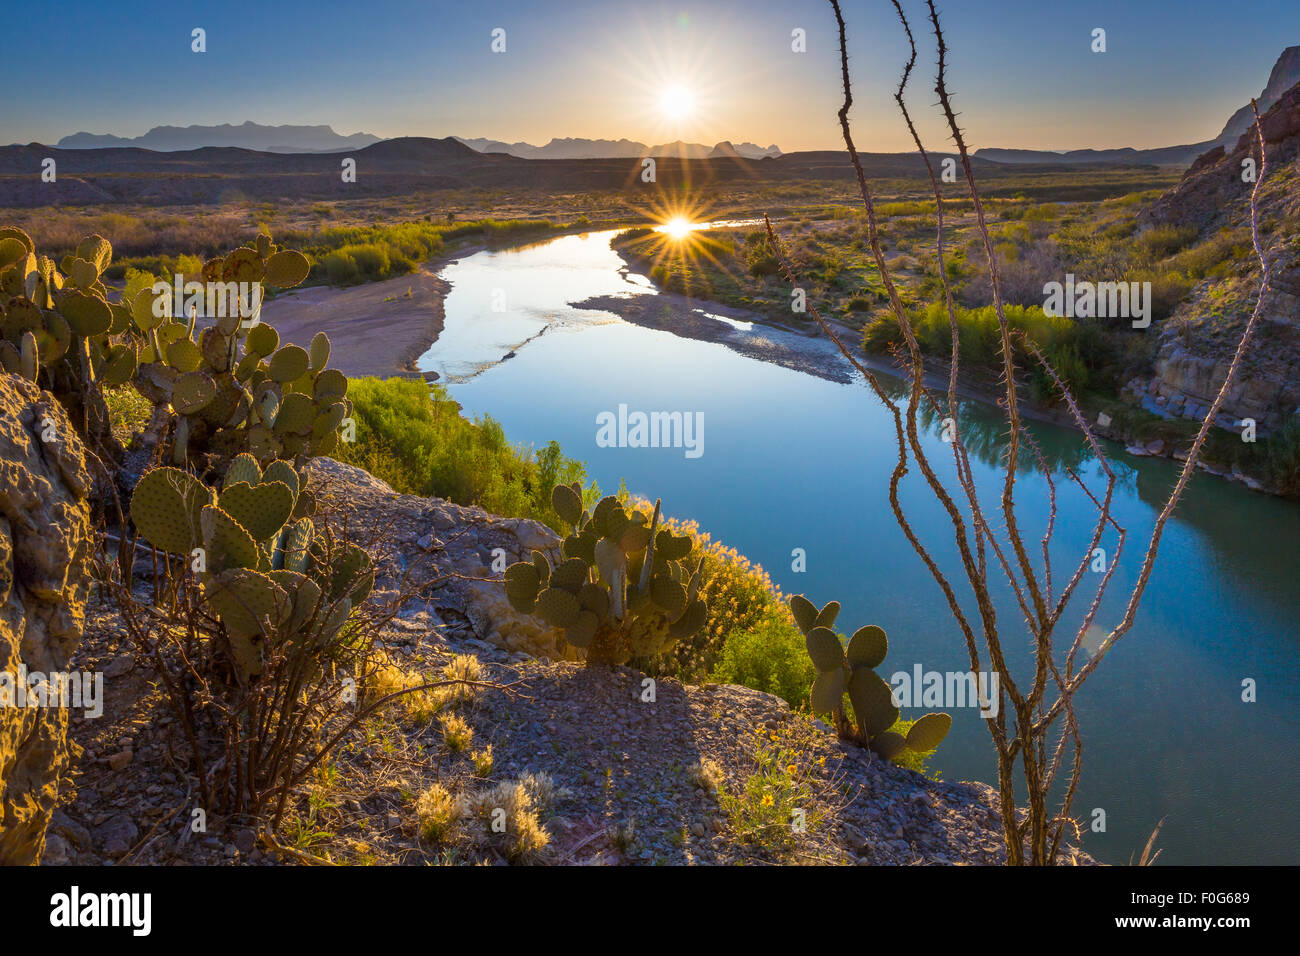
349 255
413 436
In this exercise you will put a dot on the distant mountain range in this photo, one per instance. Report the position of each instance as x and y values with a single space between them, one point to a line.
567 148
323 139
1285 75
1167 155
266 139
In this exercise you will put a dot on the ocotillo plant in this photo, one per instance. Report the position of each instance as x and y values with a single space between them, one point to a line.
991 550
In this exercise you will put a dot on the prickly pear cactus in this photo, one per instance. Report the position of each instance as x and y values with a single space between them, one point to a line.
625 589
233 387
58 329
852 670
265 574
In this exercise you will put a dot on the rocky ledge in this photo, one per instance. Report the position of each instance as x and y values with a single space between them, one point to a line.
619 770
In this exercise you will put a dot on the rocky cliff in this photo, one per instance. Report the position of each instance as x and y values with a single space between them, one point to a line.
1198 341
1286 74
44 577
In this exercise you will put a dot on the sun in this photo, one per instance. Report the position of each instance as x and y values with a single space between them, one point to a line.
678 227
676 102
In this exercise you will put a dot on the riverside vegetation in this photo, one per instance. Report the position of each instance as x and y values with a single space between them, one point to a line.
1035 242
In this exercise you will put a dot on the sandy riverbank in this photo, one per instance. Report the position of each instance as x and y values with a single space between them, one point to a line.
380 328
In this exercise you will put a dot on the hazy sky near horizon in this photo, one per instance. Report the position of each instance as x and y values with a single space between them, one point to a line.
1022 71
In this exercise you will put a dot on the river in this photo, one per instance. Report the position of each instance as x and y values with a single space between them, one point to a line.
789 460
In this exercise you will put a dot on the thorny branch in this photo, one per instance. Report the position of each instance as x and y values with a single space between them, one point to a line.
1049 696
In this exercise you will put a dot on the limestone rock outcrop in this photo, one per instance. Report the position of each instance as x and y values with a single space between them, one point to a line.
1197 342
45 550
417 540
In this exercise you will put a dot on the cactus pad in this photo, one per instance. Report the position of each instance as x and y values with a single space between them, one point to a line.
826 617
567 504
868 647
888 744
288 364
243 468
570 574
828 691
583 630
353 575
522 582
558 607
873 701
282 471
228 544
166 508
928 732
261 509
287 269
824 649
805 613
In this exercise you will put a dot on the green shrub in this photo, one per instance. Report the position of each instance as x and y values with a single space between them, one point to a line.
739 595
412 435
978 332
1161 242
1283 463
769 657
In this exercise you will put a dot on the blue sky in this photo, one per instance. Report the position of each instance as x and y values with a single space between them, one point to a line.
1022 70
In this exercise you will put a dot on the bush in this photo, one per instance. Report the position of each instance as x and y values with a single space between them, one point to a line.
978 332
770 657
1283 465
1161 242
412 435
739 596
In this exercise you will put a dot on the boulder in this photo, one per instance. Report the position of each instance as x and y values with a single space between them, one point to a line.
45 549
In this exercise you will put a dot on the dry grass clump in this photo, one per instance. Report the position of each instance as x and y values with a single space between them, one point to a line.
482 761
513 812
390 676
465 667
457 734
437 813
707 775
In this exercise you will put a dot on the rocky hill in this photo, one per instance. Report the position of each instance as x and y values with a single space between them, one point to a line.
1196 343
1285 74
45 548
605 773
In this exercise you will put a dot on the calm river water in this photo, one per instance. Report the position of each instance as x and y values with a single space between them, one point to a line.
790 460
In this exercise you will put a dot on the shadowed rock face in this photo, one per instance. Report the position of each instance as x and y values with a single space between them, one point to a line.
1197 342
1286 74
44 577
